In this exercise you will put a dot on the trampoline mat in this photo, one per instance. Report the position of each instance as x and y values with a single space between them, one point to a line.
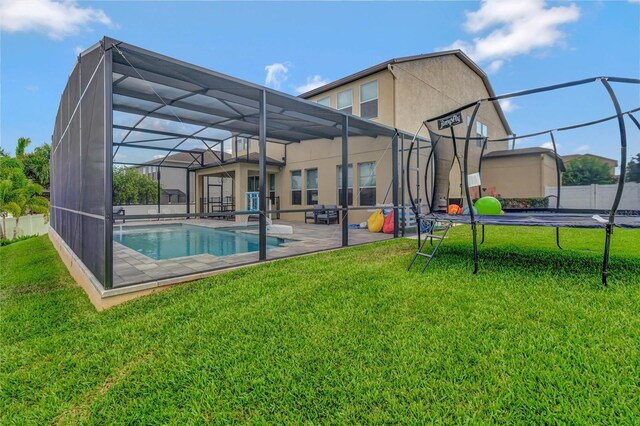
559 220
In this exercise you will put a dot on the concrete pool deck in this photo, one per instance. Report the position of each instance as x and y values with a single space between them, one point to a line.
131 267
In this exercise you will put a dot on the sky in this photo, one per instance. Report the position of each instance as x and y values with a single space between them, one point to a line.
296 46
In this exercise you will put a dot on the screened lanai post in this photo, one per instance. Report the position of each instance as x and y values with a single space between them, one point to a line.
558 183
262 175
188 186
108 165
394 180
159 189
621 178
465 172
344 199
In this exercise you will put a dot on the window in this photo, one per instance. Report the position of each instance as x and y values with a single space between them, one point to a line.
312 186
241 144
296 187
481 131
253 184
349 185
345 101
325 101
272 187
367 183
369 100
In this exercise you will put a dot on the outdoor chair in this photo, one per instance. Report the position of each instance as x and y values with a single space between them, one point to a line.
118 211
329 215
317 209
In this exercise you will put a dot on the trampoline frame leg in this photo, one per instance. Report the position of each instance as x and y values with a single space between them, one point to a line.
482 241
475 248
605 259
558 238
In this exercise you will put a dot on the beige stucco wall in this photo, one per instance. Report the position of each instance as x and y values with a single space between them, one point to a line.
519 176
326 156
432 86
385 96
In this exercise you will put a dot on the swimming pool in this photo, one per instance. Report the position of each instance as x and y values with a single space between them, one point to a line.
179 240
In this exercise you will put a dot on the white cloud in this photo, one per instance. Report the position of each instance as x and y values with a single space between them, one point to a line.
549 145
495 66
582 149
276 75
515 27
313 82
55 19
508 105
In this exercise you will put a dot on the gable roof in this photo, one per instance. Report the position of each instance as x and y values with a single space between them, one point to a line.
384 65
187 158
536 150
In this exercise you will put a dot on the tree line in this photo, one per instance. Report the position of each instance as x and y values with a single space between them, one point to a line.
22 182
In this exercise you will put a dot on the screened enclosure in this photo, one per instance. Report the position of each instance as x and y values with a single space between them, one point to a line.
163 169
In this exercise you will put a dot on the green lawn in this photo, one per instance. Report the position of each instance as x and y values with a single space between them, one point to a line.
340 337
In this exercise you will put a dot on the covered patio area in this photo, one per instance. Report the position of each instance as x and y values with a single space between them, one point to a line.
128 109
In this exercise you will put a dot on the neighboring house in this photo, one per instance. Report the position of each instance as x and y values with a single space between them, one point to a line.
400 93
173 178
519 173
611 163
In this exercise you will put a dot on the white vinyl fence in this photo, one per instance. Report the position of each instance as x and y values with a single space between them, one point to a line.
596 196
34 224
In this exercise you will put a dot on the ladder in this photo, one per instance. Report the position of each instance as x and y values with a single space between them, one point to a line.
429 236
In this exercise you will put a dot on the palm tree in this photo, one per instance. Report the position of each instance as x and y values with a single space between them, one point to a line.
23 143
18 196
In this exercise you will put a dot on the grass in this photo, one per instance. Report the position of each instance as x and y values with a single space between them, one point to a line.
339 337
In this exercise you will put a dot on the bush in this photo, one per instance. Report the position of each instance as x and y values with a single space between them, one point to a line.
6 242
525 203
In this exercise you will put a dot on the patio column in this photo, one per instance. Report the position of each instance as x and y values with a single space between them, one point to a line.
262 146
394 182
345 184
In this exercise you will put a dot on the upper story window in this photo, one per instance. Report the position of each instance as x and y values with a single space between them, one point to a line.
325 101
345 101
481 129
369 99
242 144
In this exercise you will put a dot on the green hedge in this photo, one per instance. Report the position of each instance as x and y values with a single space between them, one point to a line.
524 203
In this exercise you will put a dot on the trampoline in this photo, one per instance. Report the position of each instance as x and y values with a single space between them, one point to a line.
447 147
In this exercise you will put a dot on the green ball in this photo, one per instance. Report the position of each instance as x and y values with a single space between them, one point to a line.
488 206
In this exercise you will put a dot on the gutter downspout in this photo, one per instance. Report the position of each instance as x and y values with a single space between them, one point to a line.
393 87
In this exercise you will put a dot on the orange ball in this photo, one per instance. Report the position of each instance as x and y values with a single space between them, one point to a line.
453 209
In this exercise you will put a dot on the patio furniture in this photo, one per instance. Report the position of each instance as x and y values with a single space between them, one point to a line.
329 215
117 211
317 209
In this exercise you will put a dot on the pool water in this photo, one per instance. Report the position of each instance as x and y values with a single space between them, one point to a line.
178 240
